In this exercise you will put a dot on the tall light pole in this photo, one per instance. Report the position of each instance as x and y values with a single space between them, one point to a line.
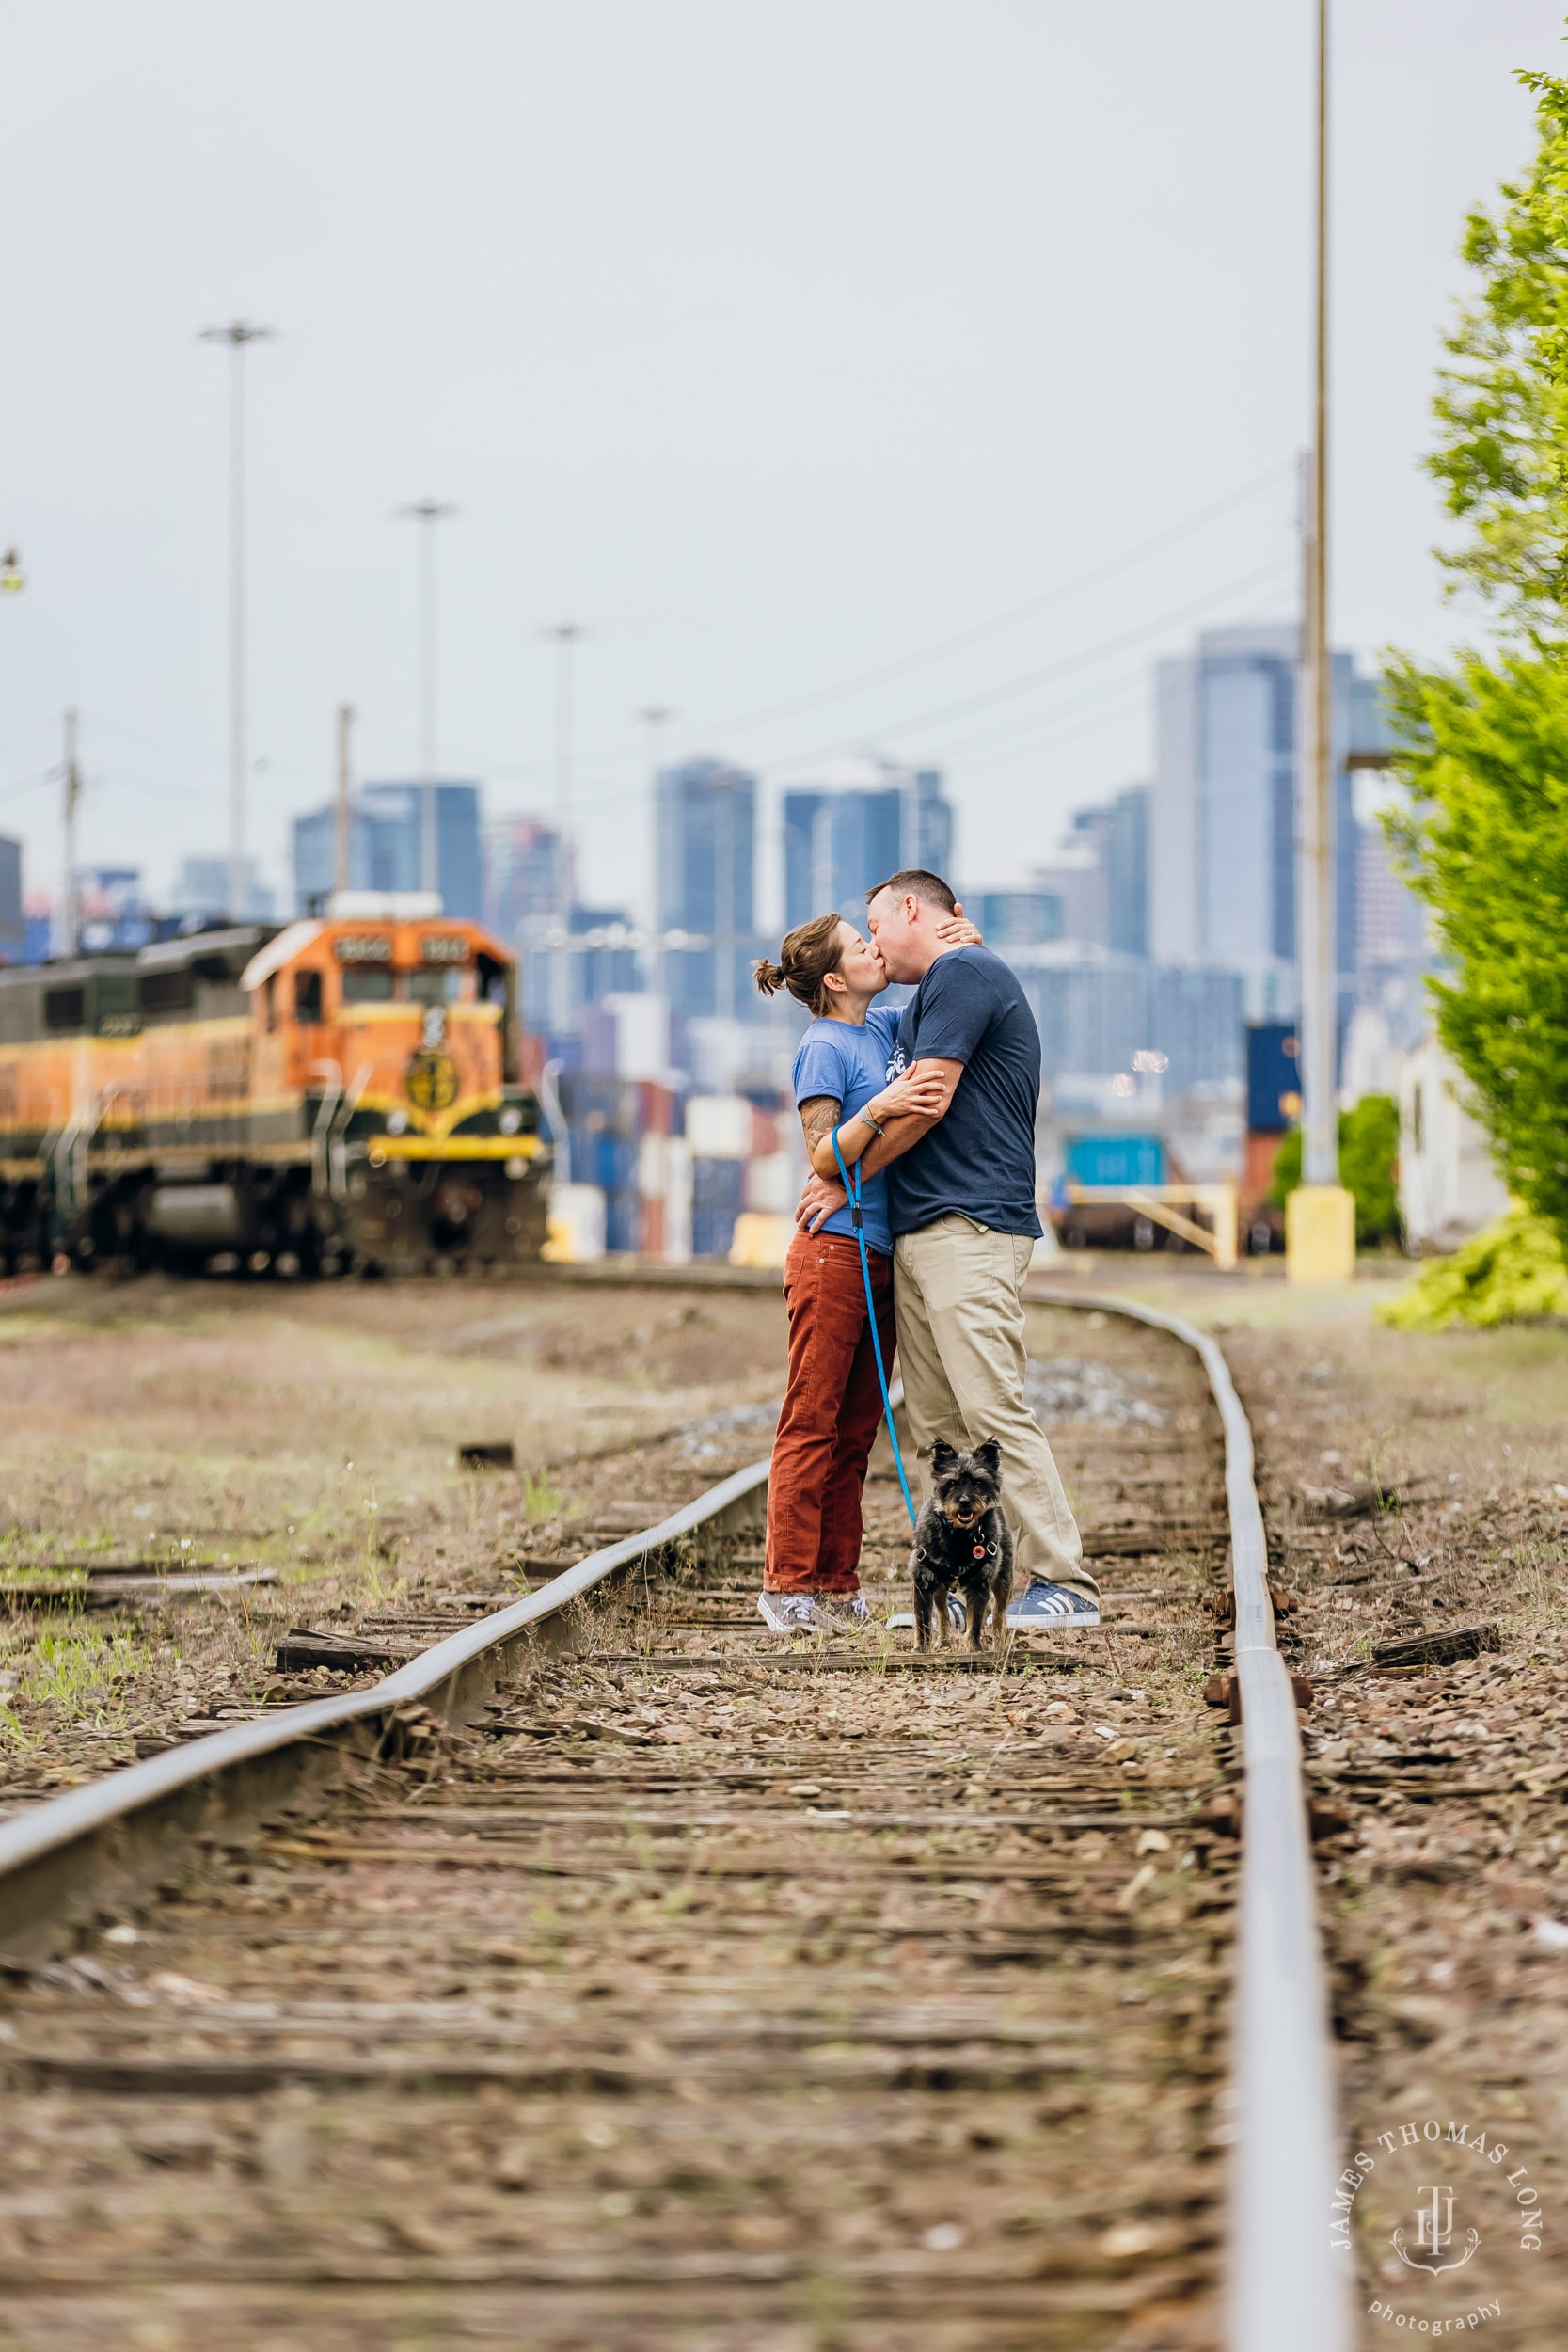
239 334
1320 1134
427 513
342 814
656 717
69 936
1320 1231
564 635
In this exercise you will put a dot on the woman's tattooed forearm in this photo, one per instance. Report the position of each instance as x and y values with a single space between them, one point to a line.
819 1117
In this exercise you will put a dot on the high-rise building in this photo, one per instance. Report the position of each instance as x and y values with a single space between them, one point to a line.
867 819
13 931
1391 929
1124 854
606 962
201 888
1099 1014
1016 918
705 885
386 845
1074 877
1223 821
529 874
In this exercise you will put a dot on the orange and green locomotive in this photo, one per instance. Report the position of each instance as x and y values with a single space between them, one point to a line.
341 1093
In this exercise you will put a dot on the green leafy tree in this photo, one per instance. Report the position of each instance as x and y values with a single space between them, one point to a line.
1484 834
1369 1143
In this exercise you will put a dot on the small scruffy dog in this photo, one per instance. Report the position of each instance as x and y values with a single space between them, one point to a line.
962 1543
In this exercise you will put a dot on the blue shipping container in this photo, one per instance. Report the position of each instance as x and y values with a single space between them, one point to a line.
1272 1077
717 1197
1116 1160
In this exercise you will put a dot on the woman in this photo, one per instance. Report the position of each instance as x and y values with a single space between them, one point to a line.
833 1400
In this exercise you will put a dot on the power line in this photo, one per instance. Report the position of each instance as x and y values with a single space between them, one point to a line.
522 771
1018 613
1032 679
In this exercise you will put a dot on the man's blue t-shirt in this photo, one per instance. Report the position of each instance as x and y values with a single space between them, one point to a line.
980 1159
834 1057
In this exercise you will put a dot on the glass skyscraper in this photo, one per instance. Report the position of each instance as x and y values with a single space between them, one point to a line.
840 838
705 885
1222 835
384 846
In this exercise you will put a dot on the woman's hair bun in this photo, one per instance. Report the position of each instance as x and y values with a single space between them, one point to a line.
811 951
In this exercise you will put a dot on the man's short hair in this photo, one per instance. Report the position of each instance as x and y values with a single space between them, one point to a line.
915 882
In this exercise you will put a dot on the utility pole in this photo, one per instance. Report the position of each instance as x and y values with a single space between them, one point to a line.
565 635
70 927
1321 1215
342 821
656 717
237 335
427 513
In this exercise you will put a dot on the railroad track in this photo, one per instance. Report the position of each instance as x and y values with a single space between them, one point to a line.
611 1975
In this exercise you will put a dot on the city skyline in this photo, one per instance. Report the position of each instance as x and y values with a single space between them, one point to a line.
788 541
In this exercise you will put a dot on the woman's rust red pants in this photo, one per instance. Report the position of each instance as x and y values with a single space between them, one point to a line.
831 1410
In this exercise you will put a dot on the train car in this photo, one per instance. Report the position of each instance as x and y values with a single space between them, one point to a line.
338 1094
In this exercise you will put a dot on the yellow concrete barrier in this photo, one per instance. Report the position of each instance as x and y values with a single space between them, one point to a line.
761 1240
1320 1234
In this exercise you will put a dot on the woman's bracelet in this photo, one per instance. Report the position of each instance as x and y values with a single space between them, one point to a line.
871 1123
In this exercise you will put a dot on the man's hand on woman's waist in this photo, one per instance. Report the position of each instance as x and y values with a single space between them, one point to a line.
817 1202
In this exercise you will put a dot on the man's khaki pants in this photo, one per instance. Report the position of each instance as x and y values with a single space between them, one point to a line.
958 1296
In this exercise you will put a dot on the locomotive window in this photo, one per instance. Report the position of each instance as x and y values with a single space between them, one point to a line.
269 1001
307 995
435 988
63 1007
367 984
166 992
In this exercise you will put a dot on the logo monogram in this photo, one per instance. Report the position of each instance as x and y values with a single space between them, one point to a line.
1434 2234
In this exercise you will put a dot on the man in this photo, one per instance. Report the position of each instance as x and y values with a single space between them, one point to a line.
961 1202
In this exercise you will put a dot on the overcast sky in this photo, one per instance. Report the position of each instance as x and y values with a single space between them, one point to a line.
779 341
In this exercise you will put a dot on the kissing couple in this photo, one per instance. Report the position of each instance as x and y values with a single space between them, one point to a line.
935 1103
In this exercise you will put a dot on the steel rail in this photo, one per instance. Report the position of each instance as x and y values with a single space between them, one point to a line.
1285 2292
128 1827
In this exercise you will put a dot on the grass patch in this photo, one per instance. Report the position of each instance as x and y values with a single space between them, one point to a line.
75 1674
541 1501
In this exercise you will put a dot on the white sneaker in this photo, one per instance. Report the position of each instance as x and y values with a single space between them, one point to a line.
845 1609
1054 1605
791 1612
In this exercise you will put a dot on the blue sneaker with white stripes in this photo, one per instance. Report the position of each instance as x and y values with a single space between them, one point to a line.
1056 1608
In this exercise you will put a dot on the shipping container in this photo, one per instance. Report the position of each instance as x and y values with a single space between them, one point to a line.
717 1197
1273 1078
1116 1159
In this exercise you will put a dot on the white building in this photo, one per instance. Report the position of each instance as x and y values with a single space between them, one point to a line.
1449 1188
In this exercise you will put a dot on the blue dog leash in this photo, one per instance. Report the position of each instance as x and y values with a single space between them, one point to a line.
852 1186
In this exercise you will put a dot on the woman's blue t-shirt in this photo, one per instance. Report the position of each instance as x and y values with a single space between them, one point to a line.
834 1057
